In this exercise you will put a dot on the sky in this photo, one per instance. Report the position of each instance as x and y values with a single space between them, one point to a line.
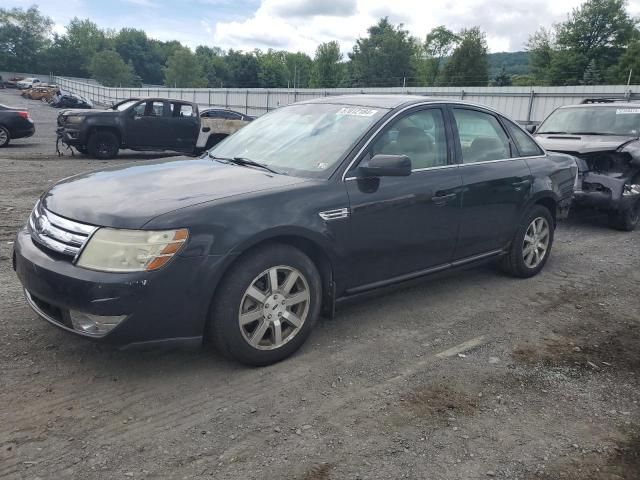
300 25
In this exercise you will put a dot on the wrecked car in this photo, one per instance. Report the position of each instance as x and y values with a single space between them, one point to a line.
308 206
604 138
151 124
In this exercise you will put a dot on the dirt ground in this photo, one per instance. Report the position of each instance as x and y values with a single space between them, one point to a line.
473 375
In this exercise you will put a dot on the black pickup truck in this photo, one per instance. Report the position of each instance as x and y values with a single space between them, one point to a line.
150 124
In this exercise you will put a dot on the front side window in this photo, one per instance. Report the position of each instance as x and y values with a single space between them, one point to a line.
526 145
420 136
182 110
482 138
307 140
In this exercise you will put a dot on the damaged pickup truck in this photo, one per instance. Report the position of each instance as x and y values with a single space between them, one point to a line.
151 124
604 137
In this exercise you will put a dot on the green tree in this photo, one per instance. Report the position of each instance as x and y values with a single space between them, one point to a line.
108 68
629 63
299 65
213 65
327 69
502 79
145 54
183 70
384 58
243 69
272 69
438 45
592 75
468 64
24 36
523 80
541 47
592 40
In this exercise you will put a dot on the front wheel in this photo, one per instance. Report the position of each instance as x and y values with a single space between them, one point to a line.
626 220
266 306
531 244
103 145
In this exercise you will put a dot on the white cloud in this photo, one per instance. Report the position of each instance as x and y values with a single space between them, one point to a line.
303 24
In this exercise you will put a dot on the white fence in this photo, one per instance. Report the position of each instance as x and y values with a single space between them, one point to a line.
524 104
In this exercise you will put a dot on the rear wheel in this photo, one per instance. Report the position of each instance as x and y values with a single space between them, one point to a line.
103 145
5 136
267 305
626 220
531 244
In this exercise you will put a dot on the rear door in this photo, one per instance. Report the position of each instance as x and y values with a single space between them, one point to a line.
185 126
496 183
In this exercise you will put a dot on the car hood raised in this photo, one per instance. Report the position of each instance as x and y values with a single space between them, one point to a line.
131 195
582 144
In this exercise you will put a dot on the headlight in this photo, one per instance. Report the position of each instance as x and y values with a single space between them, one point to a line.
112 250
74 119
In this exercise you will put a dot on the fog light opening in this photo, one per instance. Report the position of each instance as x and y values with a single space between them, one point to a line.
95 325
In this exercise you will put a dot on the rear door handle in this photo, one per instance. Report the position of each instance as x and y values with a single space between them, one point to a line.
443 199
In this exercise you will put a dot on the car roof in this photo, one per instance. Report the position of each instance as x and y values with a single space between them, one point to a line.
366 100
602 105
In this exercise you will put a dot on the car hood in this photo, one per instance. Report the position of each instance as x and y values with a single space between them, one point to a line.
582 144
86 111
131 195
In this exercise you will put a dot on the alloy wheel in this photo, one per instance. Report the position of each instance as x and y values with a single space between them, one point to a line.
274 308
4 137
536 242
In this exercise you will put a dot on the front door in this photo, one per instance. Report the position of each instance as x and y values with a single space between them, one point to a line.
496 184
149 125
404 225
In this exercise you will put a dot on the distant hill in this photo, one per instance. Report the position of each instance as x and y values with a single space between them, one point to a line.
515 63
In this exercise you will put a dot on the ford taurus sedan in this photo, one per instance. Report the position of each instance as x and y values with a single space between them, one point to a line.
305 207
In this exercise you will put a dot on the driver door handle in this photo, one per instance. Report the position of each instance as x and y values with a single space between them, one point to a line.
441 200
518 185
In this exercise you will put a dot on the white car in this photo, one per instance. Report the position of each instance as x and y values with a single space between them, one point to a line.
28 83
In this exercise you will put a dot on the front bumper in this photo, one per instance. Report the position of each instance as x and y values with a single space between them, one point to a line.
72 136
604 192
168 305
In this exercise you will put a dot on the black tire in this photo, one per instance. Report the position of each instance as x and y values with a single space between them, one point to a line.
83 150
5 136
103 145
513 262
224 327
626 220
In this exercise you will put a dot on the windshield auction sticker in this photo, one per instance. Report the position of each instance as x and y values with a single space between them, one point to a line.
623 111
357 111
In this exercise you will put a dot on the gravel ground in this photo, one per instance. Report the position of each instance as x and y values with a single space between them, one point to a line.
42 145
471 376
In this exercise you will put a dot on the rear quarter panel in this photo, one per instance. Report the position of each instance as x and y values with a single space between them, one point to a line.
554 175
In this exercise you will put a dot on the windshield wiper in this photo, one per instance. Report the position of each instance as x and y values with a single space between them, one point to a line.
245 162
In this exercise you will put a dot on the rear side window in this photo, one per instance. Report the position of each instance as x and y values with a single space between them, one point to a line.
482 138
182 110
526 146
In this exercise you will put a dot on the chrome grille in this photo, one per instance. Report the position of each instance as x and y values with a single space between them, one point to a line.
61 235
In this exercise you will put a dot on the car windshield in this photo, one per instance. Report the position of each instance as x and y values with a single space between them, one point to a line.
308 140
123 106
596 120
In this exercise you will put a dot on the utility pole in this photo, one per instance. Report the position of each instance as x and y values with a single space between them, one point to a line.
629 79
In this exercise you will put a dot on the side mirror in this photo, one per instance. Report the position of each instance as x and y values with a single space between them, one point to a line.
387 166
531 129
